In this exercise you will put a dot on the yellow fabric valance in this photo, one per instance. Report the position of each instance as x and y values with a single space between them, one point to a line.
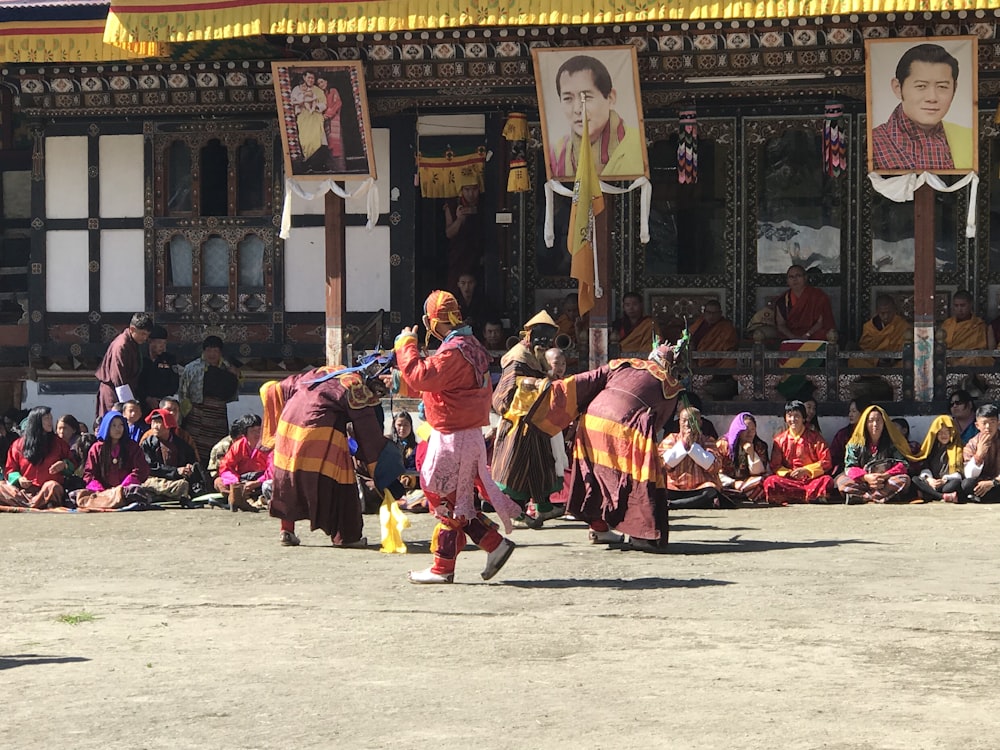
58 41
132 21
444 176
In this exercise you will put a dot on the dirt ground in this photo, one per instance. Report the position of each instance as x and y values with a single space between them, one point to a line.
803 627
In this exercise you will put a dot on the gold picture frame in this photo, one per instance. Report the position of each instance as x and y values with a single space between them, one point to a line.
615 120
323 118
919 122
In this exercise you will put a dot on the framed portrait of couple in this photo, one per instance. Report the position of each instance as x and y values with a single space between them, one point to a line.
922 97
606 81
323 117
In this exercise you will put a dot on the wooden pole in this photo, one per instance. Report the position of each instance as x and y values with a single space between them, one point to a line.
924 271
600 315
336 289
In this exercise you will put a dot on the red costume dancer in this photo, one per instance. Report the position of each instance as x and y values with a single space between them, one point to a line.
455 382
800 462
617 476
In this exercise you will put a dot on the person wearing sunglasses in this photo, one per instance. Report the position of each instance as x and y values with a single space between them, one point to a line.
962 409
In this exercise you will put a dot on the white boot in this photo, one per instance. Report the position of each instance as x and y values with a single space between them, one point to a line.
429 576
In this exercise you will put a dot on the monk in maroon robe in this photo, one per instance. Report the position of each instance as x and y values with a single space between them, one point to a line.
803 312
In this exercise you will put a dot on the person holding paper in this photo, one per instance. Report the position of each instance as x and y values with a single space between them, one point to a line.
118 373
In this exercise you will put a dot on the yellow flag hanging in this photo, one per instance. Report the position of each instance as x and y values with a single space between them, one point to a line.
588 202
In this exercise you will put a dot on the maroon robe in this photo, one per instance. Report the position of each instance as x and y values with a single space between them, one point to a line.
120 366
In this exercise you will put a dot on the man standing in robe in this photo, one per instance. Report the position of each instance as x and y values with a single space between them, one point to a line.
160 372
965 330
122 363
710 332
803 311
886 332
634 328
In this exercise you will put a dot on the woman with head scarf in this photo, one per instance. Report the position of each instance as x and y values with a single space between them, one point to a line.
747 459
875 464
941 454
114 464
37 464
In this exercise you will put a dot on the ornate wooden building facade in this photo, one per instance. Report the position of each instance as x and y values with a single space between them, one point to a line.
157 183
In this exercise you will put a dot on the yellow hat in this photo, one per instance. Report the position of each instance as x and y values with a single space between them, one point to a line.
541 319
468 180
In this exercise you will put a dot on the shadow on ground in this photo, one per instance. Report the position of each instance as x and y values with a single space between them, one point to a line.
623 584
736 544
30 660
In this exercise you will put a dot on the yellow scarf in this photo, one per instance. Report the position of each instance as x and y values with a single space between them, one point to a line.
860 436
954 448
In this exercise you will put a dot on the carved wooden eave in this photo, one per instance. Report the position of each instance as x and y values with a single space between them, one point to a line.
486 68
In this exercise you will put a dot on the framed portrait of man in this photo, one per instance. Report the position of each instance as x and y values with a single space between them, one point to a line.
922 104
607 80
323 115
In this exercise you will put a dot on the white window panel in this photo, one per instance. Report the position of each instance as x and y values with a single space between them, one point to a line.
121 176
67 279
66 177
123 271
380 144
305 270
368 269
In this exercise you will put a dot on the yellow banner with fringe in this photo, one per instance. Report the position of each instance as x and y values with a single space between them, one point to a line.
444 176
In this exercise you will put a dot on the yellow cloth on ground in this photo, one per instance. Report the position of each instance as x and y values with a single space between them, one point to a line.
966 334
889 339
393 522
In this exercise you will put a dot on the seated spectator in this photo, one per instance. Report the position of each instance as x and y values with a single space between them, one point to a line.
965 330
690 398
838 446
78 455
243 469
132 411
962 408
634 328
692 464
172 405
405 437
982 459
115 466
236 430
941 454
875 465
173 470
800 462
570 323
711 332
886 332
68 428
803 311
36 465
904 429
746 462
812 413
